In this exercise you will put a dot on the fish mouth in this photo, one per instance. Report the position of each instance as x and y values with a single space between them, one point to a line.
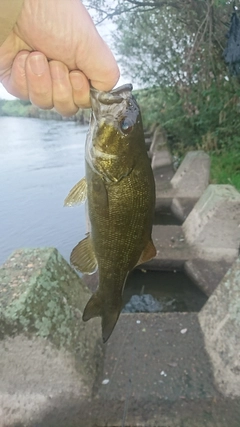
111 97
108 103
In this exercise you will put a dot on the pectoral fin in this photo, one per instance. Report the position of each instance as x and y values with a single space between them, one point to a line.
83 257
77 194
148 253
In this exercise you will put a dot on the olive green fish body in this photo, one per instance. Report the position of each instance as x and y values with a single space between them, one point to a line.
121 198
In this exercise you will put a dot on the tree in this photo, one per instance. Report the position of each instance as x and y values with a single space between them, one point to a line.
167 40
177 46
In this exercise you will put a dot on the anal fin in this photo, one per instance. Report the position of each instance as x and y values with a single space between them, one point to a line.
77 194
83 256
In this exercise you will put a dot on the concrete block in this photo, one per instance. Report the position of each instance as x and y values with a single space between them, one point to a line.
162 166
192 176
158 373
213 226
159 140
47 353
220 323
206 274
182 206
186 185
148 134
172 249
148 142
161 159
208 242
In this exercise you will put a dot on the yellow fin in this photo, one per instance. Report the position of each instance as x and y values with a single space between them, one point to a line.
83 257
148 253
77 194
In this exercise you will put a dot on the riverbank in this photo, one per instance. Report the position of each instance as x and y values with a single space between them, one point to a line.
199 120
19 108
225 162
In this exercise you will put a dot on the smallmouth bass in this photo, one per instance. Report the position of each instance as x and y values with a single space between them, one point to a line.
120 192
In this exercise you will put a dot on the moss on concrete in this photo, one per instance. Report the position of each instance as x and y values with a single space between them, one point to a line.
41 294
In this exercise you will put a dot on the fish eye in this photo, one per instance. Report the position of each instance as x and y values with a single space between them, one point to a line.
126 126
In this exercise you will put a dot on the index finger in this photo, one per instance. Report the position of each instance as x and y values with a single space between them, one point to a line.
95 59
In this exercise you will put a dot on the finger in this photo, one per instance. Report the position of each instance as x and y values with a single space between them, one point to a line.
39 80
105 74
94 58
62 89
16 81
80 89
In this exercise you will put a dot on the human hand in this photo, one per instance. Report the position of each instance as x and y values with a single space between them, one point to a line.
53 54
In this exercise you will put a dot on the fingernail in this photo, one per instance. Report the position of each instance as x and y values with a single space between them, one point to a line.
37 64
76 80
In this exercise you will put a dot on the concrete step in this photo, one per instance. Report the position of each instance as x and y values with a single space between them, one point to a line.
157 373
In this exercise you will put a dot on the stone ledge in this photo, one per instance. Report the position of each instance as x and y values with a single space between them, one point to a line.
46 351
220 323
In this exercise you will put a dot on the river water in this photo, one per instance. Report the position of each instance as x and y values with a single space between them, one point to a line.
40 161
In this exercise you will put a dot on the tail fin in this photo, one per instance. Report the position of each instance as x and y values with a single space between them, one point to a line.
109 320
93 308
96 308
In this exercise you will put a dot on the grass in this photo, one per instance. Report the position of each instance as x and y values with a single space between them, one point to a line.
225 168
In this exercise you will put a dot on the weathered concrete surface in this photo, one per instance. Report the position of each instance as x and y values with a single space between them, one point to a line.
192 176
220 322
35 379
46 351
161 159
155 370
208 242
177 191
172 249
213 226
186 186
162 162
207 274
157 373
148 141
159 141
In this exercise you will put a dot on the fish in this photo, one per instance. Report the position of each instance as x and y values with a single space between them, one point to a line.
120 192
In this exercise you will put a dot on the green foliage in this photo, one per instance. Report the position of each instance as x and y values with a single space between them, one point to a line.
225 168
15 108
194 117
207 120
175 50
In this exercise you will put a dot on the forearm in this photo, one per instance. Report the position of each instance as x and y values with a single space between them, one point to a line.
9 11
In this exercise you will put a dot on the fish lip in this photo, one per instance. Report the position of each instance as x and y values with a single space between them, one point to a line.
124 88
111 97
